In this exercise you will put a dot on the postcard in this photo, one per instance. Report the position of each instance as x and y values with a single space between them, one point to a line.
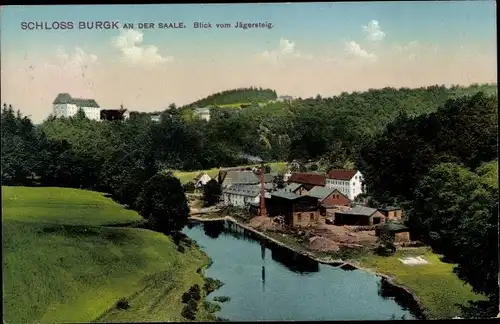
249 162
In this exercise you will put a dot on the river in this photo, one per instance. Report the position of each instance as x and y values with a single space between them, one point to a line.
268 282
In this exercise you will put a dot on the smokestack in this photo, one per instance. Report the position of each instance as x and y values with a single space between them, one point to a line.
262 192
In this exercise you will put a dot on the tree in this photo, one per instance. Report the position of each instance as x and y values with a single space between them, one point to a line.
456 211
163 203
279 181
211 192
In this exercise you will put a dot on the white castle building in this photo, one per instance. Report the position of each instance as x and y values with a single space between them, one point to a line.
66 106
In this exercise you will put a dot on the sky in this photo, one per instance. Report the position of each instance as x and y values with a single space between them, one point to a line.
310 49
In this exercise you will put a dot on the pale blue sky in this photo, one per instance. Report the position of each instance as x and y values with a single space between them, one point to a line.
310 24
314 48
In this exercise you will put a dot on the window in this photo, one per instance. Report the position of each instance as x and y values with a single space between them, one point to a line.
311 215
299 217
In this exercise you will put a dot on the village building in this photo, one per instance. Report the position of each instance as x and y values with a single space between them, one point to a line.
229 178
308 180
66 106
297 210
156 118
360 216
296 188
400 232
242 195
392 212
115 114
202 113
201 179
348 182
329 196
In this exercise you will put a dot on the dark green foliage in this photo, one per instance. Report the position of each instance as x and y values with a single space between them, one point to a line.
464 131
190 309
122 304
241 95
456 211
279 181
386 245
188 186
163 203
212 285
222 299
211 192
211 307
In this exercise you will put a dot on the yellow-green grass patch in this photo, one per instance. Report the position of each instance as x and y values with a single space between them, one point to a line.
435 284
57 271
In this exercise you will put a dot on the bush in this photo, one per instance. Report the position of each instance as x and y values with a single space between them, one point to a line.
222 299
189 311
211 307
122 304
195 292
181 248
212 285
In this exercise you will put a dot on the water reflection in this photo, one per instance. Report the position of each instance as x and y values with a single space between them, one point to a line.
400 296
213 229
237 264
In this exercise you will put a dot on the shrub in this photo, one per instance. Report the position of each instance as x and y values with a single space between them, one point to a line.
222 299
189 311
211 307
122 304
181 248
211 285
195 292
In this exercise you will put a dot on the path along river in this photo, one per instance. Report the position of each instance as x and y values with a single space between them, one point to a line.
269 282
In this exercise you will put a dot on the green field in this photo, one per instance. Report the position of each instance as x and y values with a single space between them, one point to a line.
238 104
438 288
62 264
186 176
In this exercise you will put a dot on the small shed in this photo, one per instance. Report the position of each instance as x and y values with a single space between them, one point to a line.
392 212
400 231
359 215
298 210
329 196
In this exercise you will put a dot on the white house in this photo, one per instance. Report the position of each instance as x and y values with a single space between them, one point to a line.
348 182
66 106
242 195
284 98
155 118
202 113
201 180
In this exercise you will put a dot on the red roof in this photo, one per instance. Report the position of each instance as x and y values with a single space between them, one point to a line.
308 178
341 174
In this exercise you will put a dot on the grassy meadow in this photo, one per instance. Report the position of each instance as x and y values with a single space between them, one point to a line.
186 176
438 288
63 264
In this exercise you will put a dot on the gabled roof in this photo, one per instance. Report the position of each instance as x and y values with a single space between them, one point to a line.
65 98
244 190
292 187
344 175
390 208
308 178
394 227
320 192
359 211
285 195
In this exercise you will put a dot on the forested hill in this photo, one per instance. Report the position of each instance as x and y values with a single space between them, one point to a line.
241 95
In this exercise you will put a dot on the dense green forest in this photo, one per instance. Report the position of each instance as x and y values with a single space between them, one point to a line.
241 95
433 150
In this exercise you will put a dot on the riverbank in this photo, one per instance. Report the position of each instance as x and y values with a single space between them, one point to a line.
69 256
433 287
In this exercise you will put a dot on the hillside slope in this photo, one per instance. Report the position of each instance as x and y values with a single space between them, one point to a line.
236 96
62 265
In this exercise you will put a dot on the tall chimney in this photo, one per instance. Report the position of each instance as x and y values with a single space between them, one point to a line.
262 192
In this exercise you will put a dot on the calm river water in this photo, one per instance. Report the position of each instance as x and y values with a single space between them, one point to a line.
268 282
